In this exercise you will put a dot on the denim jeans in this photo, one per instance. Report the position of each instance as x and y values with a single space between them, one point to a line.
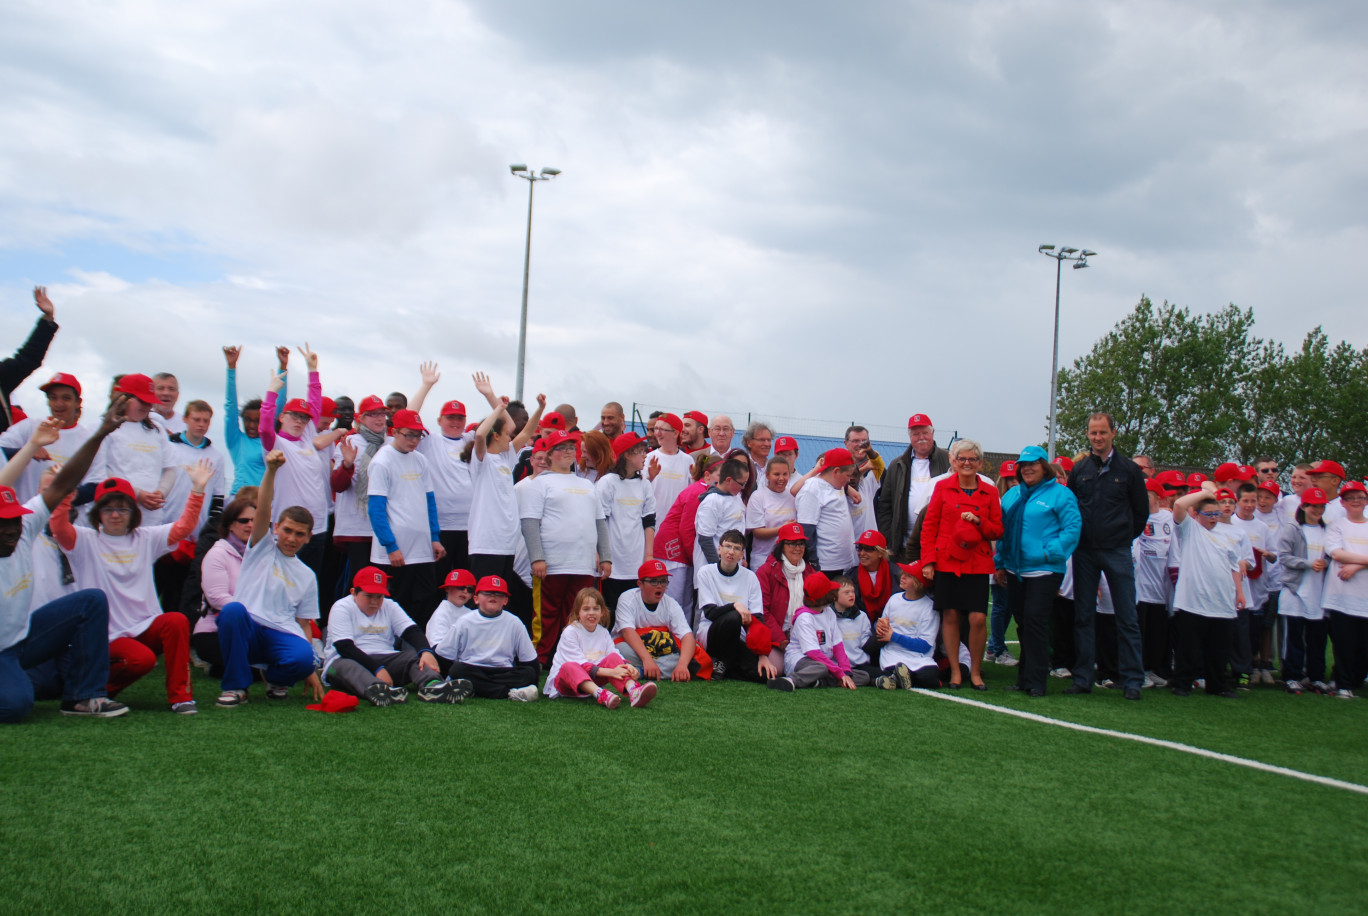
997 619
1089 565
288 656
74 632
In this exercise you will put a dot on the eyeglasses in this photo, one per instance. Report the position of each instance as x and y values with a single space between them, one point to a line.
564 448
412 434
968 459
656 582
865 548
1208 514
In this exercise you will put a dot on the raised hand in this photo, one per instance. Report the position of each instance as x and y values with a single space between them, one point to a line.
541 402
348 450
114 416
310 357
429 373
231 354
277 381
40 299
485 387
283 357
46 433
200 474
653 471
275 458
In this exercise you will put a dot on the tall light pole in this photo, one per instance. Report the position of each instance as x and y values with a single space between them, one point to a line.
1080 260
520 170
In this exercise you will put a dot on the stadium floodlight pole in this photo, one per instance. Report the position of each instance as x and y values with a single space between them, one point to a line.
520 170
1080 260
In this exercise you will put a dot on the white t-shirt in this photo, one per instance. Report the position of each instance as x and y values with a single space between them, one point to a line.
1273 572
68 441
186 457
374 635
121 567
717 514
522 563
450 478
275 588
403 479
1153 553
1205 586
862 513
303 479
672 479
855 632
768 509
47 573
489 642
633 612
716 588
16 576
139 455
1258 538
624 504
580 646
919 487
442 620
916 619
172 424
567 507
493 507
349 520
820 631
1347 597
1305 600
821 504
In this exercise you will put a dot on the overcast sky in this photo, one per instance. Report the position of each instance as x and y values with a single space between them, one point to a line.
808 210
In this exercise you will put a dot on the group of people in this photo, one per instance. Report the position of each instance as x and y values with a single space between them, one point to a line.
343 544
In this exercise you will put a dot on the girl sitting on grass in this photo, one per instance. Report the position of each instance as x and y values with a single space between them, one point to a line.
585 659
816 654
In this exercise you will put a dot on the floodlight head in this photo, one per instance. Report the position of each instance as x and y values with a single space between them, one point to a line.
1045 248
1087 253
1068 251
517 167
550 172
1078 265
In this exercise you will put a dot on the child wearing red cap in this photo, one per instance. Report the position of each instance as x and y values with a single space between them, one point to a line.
459 587
585 660
669 469
1301 554
650 629
491 648
771 507
361 657
629 508
907 631
816 650
821 509
350 483
674 541
139 452
731 611
402 507
1345 597
1156 555
1208 596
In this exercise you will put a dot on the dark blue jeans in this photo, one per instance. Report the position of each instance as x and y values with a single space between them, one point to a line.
1089 565
287 656
1002 611
74 632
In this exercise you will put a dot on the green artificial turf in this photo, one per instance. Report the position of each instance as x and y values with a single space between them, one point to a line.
718 798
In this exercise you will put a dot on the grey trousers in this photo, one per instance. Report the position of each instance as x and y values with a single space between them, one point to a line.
352 677
810 673
667 663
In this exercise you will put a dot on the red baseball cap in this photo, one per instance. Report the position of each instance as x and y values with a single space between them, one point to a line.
816 586
452 409
698 417
1195 480
919 419
1313 496
1065 462
625 443
329 409
1156 487
1353 486
914 570
1008 469
372 581
674 422
871 538
1232 471
558 437
407 419
652 569
1171 479
369 404
471 427
554 420
62 378
758 637
1325 466
459 578
10 506
836 457
17 413
791 532
115 486
1225 493
1272 487
493 584
297 405
335 701
541 445
139 386
785 444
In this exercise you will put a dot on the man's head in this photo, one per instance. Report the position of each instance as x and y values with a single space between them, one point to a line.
64 398
651 441
408 430
394 402
517 412
612 419
571 418
1101 433
721 430
1145 464
344 411
922 434
857 443
694 434
1266 468
733 476
168 391
198 416
730 549
370 587
652 578
757 440
1328 475
293 528
12 514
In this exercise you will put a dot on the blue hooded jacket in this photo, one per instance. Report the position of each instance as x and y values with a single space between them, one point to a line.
1041 528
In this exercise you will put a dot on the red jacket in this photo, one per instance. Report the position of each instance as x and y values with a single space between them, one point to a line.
954 545
775 592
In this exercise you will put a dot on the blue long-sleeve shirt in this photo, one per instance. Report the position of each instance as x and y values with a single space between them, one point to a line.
249 458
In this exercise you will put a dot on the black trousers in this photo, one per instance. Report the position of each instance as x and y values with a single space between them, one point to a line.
356 557
494 683
1202 650
311 554
414 587
1032 601
457 556
519 595
1154 635
332 580
928 678
727 643
614 589
1349 634
1062 633
1104 648
1304 648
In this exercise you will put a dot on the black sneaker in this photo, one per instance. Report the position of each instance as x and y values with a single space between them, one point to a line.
1075 689
1132 693
784 684
95 708
1181 691
378 694
444 691
719 669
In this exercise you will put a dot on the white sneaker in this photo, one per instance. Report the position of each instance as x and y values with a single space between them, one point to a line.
1154 680
1343 693
1200 683
185 708
523 694
1006 659
1063 674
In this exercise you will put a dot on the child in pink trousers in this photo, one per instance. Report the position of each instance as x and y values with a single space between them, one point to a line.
585 659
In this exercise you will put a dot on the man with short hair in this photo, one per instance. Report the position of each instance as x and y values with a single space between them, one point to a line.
395 401
864 483
1329 476
721 430
402 507
1145 464
822 510
1115 508
694 436
906 487
757 440
612 420
1266 469
63 392
164 414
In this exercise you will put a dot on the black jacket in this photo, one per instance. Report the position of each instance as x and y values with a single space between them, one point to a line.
890 503
23 364
1114 505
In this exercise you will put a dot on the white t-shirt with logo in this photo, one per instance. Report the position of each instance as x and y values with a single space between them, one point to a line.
567 507
1259 539
1349 597
633 612
916 619
768 509
855 632
374 635
821 504
820 631
139 455
442 620
625 503
862 513
404 481
350 520
1154 555
674 476
580 646
450 478
489 642
1205 585
303 479
186 456
121 567
717 514
275 588
16 576
493 507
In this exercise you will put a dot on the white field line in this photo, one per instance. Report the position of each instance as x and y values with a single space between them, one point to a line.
1157 742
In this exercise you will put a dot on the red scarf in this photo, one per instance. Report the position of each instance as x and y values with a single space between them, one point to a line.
875 591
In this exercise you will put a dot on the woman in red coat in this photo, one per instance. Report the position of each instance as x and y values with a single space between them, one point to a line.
960 524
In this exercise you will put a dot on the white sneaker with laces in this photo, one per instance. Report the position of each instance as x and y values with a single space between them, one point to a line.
523 694
1062 673
1007 659
95 707
185 708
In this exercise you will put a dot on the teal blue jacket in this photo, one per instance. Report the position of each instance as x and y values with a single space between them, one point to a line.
1041 527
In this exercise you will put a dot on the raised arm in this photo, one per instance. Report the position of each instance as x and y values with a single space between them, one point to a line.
261 524
232 423
30 356
266 425
44 434
78 464
530 429
430 375
315 398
